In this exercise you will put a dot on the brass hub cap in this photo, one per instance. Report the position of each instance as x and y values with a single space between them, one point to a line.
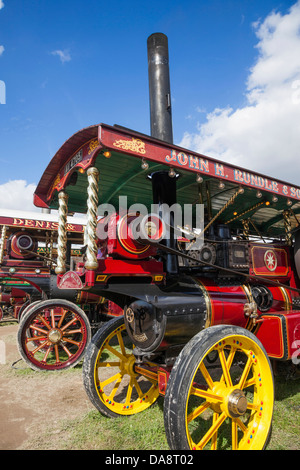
237 403
54 336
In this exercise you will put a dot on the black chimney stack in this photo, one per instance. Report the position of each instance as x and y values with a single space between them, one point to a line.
159 87
163 185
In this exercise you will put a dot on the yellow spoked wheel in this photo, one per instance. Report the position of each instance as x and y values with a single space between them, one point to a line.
109 374
225 404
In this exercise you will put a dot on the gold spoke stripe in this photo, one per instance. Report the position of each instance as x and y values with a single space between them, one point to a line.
111 379
252 406
121 343
109 364
245 373
210 433
37 328
39 347
115 389
195 413
52 318
205 394
72 332
206 375
138 388
241 425
61 319
42 319
67 351
46 355
56 353
250 382
71 341
225 368
234 435
68 324
115 352
37 338
129 392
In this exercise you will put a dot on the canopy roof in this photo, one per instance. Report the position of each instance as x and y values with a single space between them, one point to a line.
119 154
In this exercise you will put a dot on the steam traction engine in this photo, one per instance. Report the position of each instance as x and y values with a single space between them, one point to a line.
27 257
28 280
200 326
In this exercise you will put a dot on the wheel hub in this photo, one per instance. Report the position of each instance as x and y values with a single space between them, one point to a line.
237 403
54 336
127 367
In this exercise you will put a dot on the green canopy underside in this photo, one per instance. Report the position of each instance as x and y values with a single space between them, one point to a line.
122 175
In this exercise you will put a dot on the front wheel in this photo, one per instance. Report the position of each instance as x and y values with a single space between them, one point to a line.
227 404
53 335
109 376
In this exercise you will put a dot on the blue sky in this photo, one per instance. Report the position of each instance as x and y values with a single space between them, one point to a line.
70 64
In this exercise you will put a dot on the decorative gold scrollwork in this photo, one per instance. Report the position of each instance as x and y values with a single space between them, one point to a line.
92 145
134 145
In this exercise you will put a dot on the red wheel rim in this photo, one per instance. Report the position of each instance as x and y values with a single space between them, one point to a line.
54 338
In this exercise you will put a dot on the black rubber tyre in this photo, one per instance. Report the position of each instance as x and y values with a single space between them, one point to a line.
224 405
27 308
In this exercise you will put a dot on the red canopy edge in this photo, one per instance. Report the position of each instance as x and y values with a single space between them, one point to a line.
116 138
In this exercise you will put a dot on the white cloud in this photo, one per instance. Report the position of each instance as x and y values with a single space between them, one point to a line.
1 4
63 55
1 50
17 194
264 135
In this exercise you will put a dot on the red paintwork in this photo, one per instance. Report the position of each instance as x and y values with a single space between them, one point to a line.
284 342
120 241
37 224
109 267
278 255
226 303
113 267
278 329
17 296
70 280
177 157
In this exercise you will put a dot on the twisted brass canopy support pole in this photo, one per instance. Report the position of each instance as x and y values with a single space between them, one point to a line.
92 206
245 223
62 233
230 201
3 235
288 226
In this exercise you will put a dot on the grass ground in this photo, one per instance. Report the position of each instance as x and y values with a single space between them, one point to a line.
145 431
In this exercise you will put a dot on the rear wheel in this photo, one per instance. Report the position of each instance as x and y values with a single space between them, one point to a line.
227 404
53 335
109 376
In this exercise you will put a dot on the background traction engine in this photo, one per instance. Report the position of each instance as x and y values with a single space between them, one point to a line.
48 338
